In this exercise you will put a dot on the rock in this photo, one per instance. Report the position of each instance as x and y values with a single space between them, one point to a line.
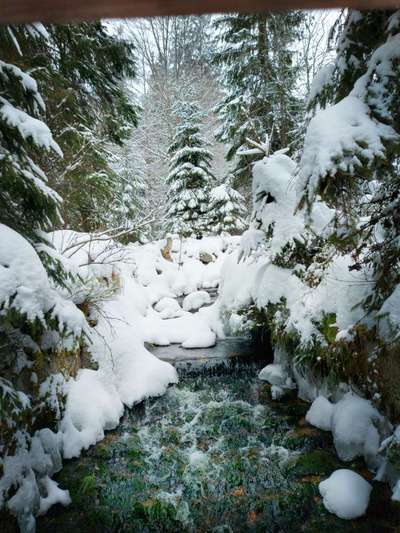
320 414
166 251
195 300
345 494
206 258
274 374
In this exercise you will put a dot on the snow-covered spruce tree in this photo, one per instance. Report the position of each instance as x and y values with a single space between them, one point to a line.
355 168
130 204
189 179
36 321
259 76
351 161
227 208
82 70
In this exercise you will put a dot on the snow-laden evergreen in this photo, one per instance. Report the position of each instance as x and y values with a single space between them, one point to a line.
355 165
38 320
189 179
318 267
259 76
130 204
227 208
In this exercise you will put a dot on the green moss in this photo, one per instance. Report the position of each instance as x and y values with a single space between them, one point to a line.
308 440
88 485
295 409
314 463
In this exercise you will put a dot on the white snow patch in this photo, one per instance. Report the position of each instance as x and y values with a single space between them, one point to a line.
275 374
195 300
320 413
345 494
54 495
354 428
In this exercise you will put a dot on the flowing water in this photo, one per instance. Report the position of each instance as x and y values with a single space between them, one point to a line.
213 454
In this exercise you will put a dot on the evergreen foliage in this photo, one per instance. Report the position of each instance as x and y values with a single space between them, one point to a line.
36 321
189 178
82 70
259 75
359 176
27 204
333 238
130 202
227 209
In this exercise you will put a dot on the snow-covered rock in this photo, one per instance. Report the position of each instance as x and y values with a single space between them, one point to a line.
195 300
345 494
354 428
53 495
200 339
277 392
275 374
320 414
168 308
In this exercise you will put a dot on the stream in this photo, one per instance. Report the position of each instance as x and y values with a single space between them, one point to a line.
213 454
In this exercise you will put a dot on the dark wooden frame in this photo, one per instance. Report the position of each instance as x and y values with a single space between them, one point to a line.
18 11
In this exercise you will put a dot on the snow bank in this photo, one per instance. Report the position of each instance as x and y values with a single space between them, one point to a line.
345 494
256 280
92 406
127 372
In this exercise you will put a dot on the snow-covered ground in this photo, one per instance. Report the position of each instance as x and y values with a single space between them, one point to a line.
143 308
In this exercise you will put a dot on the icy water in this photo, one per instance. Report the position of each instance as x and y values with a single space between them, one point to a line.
214 454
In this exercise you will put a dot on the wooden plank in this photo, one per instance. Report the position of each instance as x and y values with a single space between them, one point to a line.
17 11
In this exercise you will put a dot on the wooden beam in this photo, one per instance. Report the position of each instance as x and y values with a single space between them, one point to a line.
19 11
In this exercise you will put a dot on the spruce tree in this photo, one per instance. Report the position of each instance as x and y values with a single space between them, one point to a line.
130 203
227 208
82 70
35 319
27 204
189 177
355 168
259 75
